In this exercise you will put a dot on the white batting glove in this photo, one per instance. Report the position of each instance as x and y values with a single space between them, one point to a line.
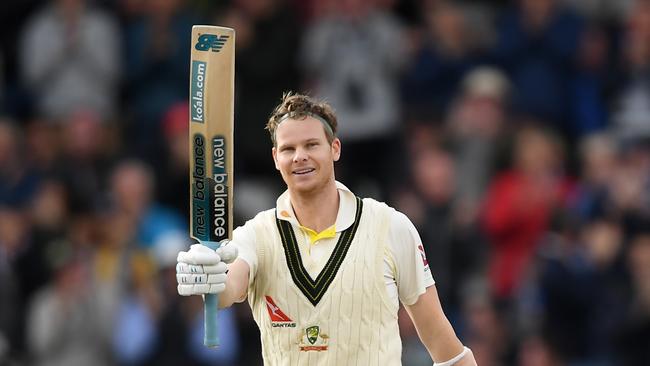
202 270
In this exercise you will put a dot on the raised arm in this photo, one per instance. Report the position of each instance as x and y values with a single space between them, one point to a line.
236 284
436 333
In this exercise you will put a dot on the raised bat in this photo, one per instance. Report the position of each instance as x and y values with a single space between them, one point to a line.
212 84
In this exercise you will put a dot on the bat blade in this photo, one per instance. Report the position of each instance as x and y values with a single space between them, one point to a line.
212 84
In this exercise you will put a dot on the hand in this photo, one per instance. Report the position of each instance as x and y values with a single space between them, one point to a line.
202 270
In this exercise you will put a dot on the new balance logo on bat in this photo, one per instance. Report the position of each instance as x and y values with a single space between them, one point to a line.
278 318
211 42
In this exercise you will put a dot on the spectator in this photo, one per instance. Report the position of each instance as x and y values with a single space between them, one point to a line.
14 100
476 124
44 142
172 174
85 161
132 196
18 181
13 288
602 10
353 57
67 323
443 53
434 208
537 42
581 280
632 105
631 185
70 53
484 327
592 83
635 331
519 204
599 158
156 65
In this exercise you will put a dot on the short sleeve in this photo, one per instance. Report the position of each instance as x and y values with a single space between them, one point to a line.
413 274
244 238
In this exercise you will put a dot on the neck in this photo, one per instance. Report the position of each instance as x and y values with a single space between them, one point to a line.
316 210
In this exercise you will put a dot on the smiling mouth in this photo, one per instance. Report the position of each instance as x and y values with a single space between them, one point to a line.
303 171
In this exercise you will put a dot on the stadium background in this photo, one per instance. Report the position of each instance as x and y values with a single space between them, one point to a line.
515 135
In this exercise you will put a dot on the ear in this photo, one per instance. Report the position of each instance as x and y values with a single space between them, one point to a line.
274 152
336 149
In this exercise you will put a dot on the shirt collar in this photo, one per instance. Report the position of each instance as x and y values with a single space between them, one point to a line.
344 217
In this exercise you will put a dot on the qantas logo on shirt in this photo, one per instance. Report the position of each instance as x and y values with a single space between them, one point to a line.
278 318
424 256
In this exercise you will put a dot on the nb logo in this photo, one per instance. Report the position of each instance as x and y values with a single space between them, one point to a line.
210 42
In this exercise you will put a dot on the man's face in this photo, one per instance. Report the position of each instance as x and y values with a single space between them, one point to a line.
303 155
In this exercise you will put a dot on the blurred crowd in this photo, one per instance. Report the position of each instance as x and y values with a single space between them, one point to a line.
514 134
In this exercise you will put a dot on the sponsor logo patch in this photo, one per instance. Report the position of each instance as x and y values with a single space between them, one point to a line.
197 88
211 42
423 255
278 318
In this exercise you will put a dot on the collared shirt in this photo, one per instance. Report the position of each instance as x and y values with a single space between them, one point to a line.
406 272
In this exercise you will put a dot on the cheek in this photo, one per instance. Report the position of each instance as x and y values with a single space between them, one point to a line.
283 163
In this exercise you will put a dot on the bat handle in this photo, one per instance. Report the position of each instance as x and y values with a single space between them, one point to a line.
211 337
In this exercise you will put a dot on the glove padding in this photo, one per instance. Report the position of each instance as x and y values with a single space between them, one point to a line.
202 270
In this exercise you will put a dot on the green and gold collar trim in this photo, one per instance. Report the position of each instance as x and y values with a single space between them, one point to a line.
315 289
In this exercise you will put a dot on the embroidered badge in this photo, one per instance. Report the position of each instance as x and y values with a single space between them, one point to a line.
313 339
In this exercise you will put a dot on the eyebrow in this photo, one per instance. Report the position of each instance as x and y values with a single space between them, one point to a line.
309 140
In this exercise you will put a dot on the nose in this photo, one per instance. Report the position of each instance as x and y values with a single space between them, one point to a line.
300 155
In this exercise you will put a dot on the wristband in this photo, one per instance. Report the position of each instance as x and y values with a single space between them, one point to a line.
453 360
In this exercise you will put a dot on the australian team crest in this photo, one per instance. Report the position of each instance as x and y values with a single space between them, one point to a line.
313 339
312 333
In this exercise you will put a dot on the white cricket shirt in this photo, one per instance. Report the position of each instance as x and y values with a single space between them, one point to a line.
406 272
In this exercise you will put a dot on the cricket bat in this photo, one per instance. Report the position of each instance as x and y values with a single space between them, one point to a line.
212 84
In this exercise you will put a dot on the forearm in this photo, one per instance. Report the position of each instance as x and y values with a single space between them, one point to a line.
236 284
439 339
228 297
435 331
446 349
441 343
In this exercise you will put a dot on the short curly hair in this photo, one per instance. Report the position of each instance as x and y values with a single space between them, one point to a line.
300 106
